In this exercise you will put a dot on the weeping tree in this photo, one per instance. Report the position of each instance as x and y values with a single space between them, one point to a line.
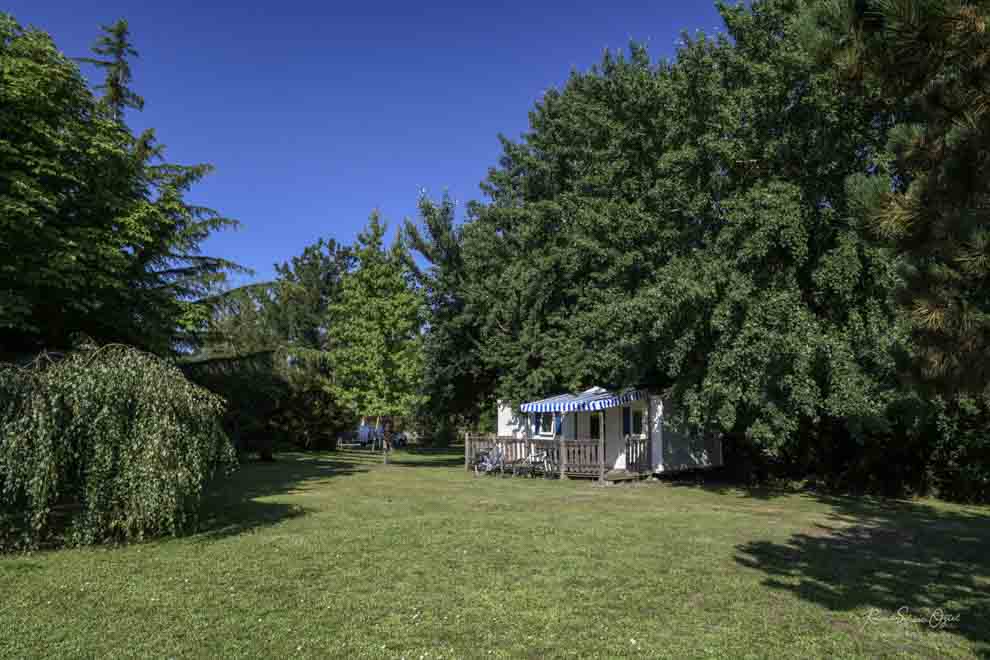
104 445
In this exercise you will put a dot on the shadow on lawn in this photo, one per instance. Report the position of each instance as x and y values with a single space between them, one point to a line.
429 457
880 556
231 506
719 480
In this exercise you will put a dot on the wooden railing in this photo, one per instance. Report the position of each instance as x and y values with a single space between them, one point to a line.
513 449
583 457
638 454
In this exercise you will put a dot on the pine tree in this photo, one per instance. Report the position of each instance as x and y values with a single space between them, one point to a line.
929 62
167 271
115 50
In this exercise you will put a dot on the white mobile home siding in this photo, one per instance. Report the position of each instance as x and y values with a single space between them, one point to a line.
674 450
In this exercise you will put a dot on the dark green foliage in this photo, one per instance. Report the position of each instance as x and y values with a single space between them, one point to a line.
698 225
252 388
55 197
96 232
931 62
242 321
774 319
925 66
683 224
571 235
264 351
960 461
115 50
456 384
310 415
104 445
305 288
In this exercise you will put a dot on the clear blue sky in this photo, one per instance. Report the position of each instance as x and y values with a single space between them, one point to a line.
315 112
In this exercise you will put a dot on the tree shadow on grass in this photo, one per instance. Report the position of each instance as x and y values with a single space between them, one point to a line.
721 481
876 557
429 457
236 504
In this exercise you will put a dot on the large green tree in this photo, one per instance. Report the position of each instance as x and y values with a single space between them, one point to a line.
98 236
375 345
688 224
571 233
264 348
457 385
774 318
306 287
115 50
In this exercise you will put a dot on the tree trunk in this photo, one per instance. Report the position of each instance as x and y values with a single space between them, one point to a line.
386 439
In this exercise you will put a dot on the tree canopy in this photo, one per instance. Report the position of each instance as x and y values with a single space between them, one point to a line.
456 385
658 219
100 237
375 346
783 228
929 62
701 227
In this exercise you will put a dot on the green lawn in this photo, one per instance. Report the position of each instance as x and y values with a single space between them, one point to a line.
333 555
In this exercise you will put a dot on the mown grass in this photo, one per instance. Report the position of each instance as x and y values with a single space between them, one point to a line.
332 555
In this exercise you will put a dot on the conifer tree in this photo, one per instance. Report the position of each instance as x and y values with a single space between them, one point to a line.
928 62
115 49
98 236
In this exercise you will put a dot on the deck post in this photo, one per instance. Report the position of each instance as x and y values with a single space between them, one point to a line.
601 457
563 457
467 451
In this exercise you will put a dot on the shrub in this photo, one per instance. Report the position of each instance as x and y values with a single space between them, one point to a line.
961 460
104 445
251 389
272 395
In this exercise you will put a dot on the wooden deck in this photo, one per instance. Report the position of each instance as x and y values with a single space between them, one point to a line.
581 457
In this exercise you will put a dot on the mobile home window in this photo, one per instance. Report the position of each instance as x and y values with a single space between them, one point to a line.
595 426
637 422
544 423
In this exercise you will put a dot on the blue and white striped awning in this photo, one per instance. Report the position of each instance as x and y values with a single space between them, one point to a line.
597 398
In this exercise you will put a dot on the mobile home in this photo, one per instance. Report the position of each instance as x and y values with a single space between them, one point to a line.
599 433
